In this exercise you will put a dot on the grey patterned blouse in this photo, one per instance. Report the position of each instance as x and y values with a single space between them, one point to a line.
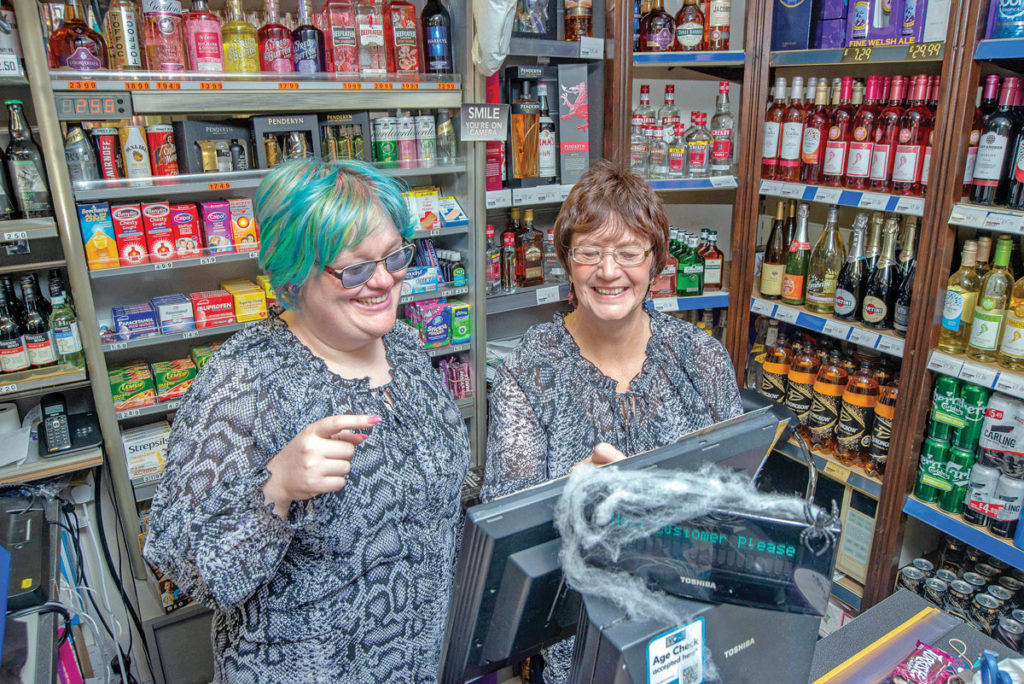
353 586
549 406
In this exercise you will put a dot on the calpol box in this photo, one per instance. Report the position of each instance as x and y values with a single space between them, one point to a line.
213 308
216 222
129 234
156 218
188 239
244 231
98 235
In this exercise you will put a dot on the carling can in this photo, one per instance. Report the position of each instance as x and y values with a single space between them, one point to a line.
931 469
958 473
999 594
385 139
1010 584
1010 633
975 401
987 571
946 575
1002 432
162 152
977 582
1005 507
981 490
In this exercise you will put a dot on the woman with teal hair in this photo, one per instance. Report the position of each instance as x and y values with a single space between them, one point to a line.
311 492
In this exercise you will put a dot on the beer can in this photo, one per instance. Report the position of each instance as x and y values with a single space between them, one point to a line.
972 556
958 472
1001 433
911 578
272 150
1018 615
958 598
426 139
986 571
952 556
975 400
107 146
934 455
385 139
1011 584
1010 633
999 594
407 147
976 581
1008 500
924 565
1017 574
163 154
946 389
981 491
1001 566
945 575
935 590
985 613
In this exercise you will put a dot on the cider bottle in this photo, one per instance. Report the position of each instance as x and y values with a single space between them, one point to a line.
856 417
800 384
825 406
775 372
881 431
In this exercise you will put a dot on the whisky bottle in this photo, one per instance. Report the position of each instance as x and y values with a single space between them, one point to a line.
525 130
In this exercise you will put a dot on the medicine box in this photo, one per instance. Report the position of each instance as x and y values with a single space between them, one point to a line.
173 313
424 205
216 222
451 212
263 282
131 389
250 300
129 234
419 279
173 378
188 239
213 308
133 321
200 354
156 219
98 235
145 449
245 233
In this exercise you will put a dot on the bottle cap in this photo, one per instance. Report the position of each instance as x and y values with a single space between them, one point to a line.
509 239
490 230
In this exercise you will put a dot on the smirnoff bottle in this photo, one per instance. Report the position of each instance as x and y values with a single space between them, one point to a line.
722 124
669 114
698 147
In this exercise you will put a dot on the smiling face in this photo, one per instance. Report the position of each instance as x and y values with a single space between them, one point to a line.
349 319
607 290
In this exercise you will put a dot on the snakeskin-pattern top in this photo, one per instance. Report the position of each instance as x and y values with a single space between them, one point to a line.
549 406
354 586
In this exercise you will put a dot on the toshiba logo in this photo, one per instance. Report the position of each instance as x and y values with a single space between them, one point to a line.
730 652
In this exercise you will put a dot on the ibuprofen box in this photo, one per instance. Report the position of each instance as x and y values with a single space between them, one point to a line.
98 235
145 449
156 217
173 313
250 300
213 308
129 234
188 240
133 321
132 390
217 226
173 378
244 231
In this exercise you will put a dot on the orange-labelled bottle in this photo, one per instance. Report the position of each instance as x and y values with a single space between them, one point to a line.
775 371
800 384
826 403
856 417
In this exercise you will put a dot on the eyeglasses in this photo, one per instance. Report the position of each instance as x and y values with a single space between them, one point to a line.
357 274
624 256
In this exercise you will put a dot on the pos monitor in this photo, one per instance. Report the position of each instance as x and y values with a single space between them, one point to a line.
510 598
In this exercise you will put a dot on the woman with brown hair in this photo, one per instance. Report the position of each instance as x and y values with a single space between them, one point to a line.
609 379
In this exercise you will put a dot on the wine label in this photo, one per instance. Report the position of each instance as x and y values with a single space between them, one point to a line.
881 431
905 165
1013 336
13 356
986 326
712 272
770 149
856 417
811 145
972 158
789 150
793 287
925 164
799 394
68 339
718 13
1018 163
989 165
771 279
875 309
822 290
845 303
773 381
835 157
880 162
39 348
958 309
825 404
901 317
859 164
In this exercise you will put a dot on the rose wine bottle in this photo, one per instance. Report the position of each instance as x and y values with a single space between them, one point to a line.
838 146
989 94
812 149
915 125
858 166
886 135
792 134
773 119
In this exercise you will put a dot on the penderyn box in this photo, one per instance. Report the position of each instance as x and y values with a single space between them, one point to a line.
573 122
187 135
281 124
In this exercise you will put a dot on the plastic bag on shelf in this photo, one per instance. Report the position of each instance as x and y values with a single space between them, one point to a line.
493 19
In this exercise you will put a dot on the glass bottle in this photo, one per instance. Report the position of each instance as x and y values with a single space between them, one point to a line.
886 137
690 271
676 154
638 151
988 104
773 120
403 50
370 38
13 356
718 20
17 306
698 147
8 211
83 164
849 284
657 156
862 143
492 262
794 282
68 340
792 134
722 124
915 129
25 166
1011 350
531 252
827 259
800 384
713 260
873 247
826 401
856 417
525 116
241 51
881 430
994 146
202 34
74 45
447 149
554 274
164 35
773 266
342 48
907 271
122 28
668 115
307 42
812 148
437 35
958 305
775 371
508 263
657 29
984 250
990 310
880 290
689 28
36 330
579 21
547 138
276 47
840 130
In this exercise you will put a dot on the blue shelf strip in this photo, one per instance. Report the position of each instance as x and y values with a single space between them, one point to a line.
975 536
883 342
710 300
1000 48
688 58
913 206
716 183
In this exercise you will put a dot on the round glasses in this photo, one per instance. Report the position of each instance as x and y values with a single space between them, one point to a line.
624 256
357 274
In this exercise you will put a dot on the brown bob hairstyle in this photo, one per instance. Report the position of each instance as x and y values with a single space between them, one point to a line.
606 192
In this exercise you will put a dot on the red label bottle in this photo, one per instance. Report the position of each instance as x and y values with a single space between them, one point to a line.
887 129
403 52
915 127
340 36
812 149
275 43
858 166
839 133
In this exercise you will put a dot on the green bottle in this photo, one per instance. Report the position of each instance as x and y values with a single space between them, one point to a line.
690 271
794 281
990 310
64 327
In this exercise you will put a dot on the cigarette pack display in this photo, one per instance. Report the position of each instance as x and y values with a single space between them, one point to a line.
250 301
145 449
173 378
200 354
98 235
134 320
280 124
188 240
244 231
573 122
132 389
216 223
173 313
156 218
189 133
451 212
424 204
129 234
213 308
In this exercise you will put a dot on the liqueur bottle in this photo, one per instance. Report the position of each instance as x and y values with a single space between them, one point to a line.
241 50
123 32
307 42
74 45
657 29
164 35
202 34
276 47
689 28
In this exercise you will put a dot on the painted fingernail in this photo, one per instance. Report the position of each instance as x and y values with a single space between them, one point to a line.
374 420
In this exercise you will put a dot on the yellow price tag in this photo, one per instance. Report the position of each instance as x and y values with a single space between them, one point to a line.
836 471
211 85
924 51
136 85
857 54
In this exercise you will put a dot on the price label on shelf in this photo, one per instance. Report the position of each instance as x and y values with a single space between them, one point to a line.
224 185
128 413
947 365
890 345
979 375
792 190
873 200
1010 384
383 86
351 86
771 187
827 195
207 260
162 85
136 85
10 65
786 314
761 307
117 346
211 85
542 195
836 471
82 85
723 181
547 295
254 254
836 329
963 215
189 334
666 304
410 86
16 235
591 48
7 389
564 191
1006 222
863 337
288 85
162 265
910 205
446 86
857 54
925 51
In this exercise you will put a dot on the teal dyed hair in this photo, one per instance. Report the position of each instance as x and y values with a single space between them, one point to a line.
310 211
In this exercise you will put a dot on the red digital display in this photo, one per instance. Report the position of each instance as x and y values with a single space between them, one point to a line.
85 107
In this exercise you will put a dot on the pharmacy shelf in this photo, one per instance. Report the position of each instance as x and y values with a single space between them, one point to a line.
526 197
27 229
145 488
592 48
440 232
216 184
175 264
449 349
920 52
978 537
712 183
1000 49
32 266
912 206
445 291
689 59
34 380
827 465
997 219
36 467
157 409
527 297
708 300
165 93
984 374
466 407
887 343
154 340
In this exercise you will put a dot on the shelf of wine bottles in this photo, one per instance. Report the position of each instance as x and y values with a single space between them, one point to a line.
978 537
154 340
854 476
921 52
984 374
712 183
827 325
689 59
984 218
526 197
527 297
27 229
35 379
911 206
708 300
1000 48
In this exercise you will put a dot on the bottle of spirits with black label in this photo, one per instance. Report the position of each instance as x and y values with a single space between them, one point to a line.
308 42
36 330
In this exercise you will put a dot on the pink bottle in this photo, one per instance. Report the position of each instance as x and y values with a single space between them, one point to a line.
340 36
202 31
165 35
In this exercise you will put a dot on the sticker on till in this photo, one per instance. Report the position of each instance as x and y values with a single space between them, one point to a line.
677 656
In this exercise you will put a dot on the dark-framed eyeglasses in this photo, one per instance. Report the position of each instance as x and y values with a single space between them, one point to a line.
624 256
354 275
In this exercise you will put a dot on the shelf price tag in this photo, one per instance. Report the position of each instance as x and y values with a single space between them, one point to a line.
351 86
947 365
836 471
666 304
446 86
161 85
1007 222
15 235
771 187
1010 384
963 215
786 314
128 413
288 85
254 254
925 51
7 389
547 295
410 86
136 85
224 185
910 205
383 86
207 260
979 375
189 334
873 200
827 195
723 182
761 307
792 190
117 346
211 85
162 265
591 48
564 193
857 54
863 337
82 85
890 345
836 329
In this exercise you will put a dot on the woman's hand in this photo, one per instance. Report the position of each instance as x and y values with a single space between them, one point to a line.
603 454
316 461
